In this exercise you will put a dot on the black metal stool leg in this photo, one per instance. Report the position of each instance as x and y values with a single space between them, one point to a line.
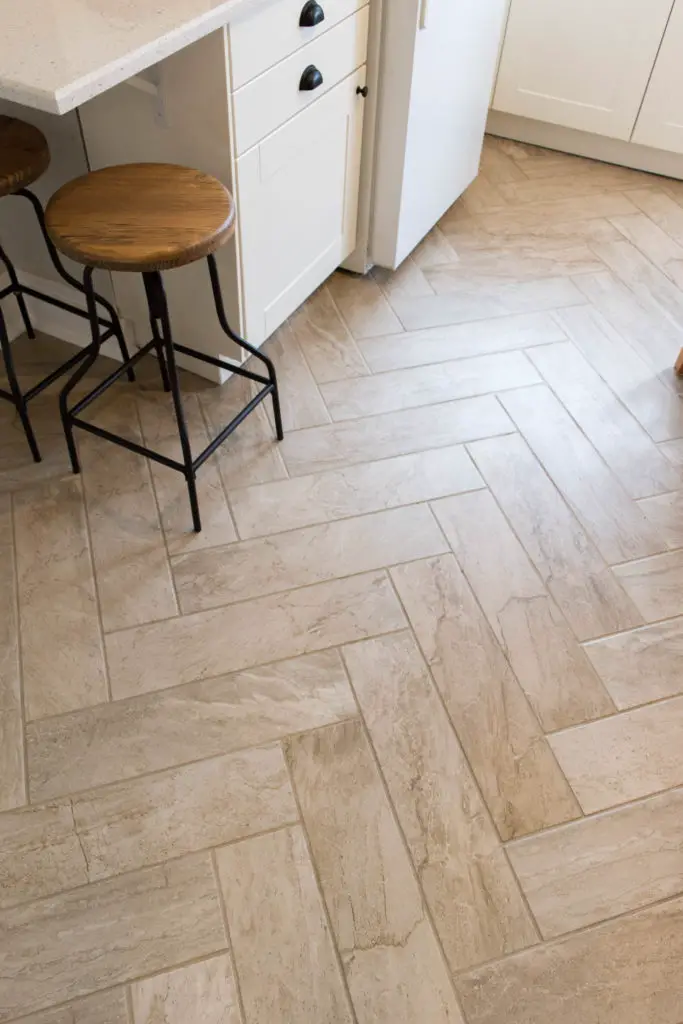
152 302
21 302
158 310
223 320
17 397
92 353
73 281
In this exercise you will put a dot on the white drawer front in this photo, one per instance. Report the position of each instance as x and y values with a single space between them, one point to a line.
297 204
263 39
264 104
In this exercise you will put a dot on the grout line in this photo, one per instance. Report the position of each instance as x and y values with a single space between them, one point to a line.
620 712
231 948
130 1012
342 318
314 865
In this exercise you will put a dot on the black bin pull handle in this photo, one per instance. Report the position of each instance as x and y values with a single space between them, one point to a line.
312 14
311 79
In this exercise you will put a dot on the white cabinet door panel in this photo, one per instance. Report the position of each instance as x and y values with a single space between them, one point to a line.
438 66
583 64
661 120
297 202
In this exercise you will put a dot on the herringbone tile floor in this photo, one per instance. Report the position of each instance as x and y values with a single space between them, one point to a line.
398 739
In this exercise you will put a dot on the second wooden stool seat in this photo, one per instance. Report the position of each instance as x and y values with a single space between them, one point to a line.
141 217
147 218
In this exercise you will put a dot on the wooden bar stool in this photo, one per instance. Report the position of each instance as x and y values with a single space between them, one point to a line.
146 218
24 156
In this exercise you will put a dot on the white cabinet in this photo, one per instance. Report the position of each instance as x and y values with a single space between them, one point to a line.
661 119
297 196
438 65
583 64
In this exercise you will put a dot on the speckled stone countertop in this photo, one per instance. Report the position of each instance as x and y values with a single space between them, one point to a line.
56 54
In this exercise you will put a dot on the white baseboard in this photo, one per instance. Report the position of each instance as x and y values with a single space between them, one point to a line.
597 147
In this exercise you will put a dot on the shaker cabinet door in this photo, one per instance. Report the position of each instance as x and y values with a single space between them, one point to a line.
583 64
661 120
297 203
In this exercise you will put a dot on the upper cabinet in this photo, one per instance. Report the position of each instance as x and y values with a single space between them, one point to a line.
661 120
585 64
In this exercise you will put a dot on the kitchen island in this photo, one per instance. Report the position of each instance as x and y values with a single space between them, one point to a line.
328 155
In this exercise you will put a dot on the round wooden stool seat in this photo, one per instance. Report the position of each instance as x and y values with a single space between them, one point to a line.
140 217
24 154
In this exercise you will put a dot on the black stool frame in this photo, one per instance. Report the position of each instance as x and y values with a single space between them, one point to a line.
164 346
111 326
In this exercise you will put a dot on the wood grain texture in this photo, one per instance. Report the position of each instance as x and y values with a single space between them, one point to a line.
393 965
140 217
550 665
24 154
521 782
281 939
478 913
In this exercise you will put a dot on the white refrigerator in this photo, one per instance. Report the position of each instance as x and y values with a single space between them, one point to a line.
434 67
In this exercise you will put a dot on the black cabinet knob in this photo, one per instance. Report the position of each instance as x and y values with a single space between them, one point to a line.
363 91
311 79
312 14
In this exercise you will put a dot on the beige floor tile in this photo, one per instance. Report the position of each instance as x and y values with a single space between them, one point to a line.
362 305
536 236
665 512
302 405
441 344
18 470
476 906
202 993
284 953
355 491
131 563
498 167
654 243
537 162
325 340
12 781
427 385
673 451
637 317
656 407
394 968
6 534
284 561
624 972
484 268
481 302
252 454
632 266
616 524
397 433
160 432
630 755
550 665
119 929
145 821
518 220
61 644
433 250
664 211
483 196
144 734
39 853
655 585
518 775
103 1008
641 666
251 633
570 566
603 866
626 448
407 280
569 185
